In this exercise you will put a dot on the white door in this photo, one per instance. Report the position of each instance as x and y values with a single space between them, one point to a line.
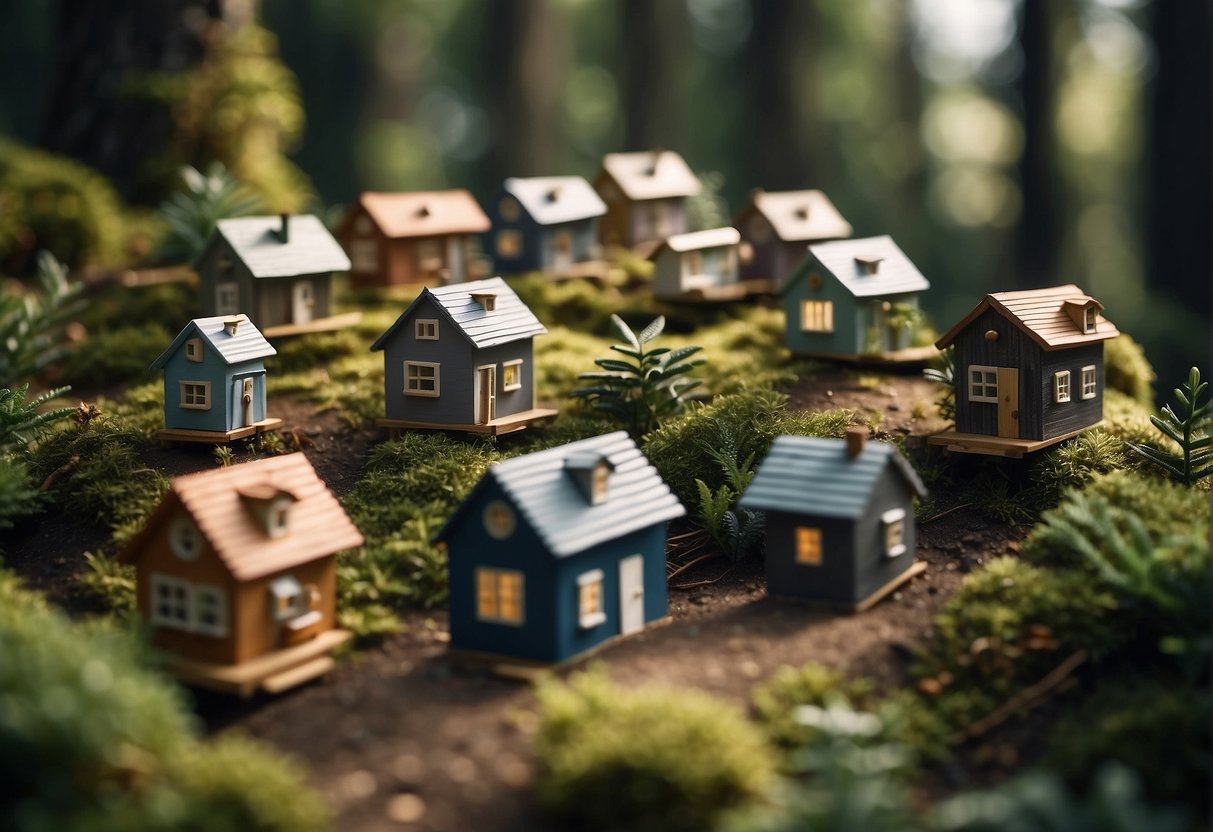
303 299
486 394
246 401
631 594
455 260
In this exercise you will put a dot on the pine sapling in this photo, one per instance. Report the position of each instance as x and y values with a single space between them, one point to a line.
1189 429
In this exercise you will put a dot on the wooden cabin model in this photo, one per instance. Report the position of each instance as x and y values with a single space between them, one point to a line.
776 226
544 224
698 265
645 195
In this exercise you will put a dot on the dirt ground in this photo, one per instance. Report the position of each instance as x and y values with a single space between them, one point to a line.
401 737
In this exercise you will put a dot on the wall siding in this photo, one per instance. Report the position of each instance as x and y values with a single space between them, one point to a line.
832 581
1012 349
872 568
1067 417
847 337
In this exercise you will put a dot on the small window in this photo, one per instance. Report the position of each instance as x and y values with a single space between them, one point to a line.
590 612
817 316
598 483
562 242
760 229
1088 319
499 596
509 209
227 298
171 602
210 611
421 378
808 546
287 598
196 395
183 538
364 255
193 349
499 520
511 374
279 514
1088 381
509 244
894 524
1061 386
363 225
692 262
429 254
426 329
983 384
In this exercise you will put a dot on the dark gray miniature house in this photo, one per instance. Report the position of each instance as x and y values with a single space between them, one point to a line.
855 300
277 270
698 265
839 518
555 552
545 224
646 196
1029 370
461 357
775 228
214 381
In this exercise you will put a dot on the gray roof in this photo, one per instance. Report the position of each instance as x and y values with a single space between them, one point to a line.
544 493
806 475
310 248
895 274
699 240
510 320
247 344
551 200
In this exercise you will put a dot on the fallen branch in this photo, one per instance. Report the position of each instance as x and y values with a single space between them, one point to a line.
689 564
59 473
1056 681
945 513
708 582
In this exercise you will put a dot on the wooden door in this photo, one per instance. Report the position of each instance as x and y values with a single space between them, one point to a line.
631 594
303 299
486 394
246 402
1008 402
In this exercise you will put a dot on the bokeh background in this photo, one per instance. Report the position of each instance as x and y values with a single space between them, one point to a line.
1003 143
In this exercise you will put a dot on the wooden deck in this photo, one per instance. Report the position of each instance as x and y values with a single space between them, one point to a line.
496 427
273 672
329 324
979 443
168 436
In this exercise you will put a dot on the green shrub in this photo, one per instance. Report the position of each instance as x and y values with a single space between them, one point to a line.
117 355
192 212
1072 464
644 759
1189 428
1127 370
776 700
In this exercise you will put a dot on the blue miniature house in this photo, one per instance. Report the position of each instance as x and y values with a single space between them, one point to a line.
555 552
839 518
545 224
214 381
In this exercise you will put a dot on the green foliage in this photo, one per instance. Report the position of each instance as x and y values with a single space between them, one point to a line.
117 355
31 326
776 700
20 421
708 209
1189 429
642 393
1127 370
945 374
110 581
737 531
642 759
1072 464
192 212
17 497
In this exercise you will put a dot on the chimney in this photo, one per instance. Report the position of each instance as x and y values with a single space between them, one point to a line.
651 170
423 211
802 212
552 196
488 300
231 324
868 265
284 229
856 439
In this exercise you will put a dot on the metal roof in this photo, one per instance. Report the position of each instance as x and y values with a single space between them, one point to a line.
807 475
309 249
510 320
424 213
247 344
1041 313
798 216
551 200
544 492
651 174
699 240
894 275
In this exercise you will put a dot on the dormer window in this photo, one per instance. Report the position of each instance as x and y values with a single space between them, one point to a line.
193 349
1084 313
269 507
590 473
1088 319
488 300
868 265
598 485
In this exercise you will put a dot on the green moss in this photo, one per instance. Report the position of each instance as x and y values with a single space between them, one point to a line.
118 355
1127 371
1072 464
776 700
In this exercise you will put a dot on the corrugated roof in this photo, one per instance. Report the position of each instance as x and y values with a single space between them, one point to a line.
544 493
651 174
309 249
799 216
806 475
247 344
699 240
1041 314
894 275
425 213
317 526
551 200
510 320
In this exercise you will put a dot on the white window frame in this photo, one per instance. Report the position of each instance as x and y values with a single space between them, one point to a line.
1090 319
204 387
181 530
170 584
287 586
587 583
417 391
193 350
816 315
894 521
982 383
425 329
227 298
496 574
1061 387
505 365
219 629
1089 380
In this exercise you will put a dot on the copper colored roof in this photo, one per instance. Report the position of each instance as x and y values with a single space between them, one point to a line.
651 174
798 216
1041 313
424 213
317 526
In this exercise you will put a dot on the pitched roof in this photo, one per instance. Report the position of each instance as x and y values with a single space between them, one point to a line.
807 475
798 216
247 344
545 494
424 213
550 200
510 320
651 174
1041 313
309 249
699 240
317 526
845 259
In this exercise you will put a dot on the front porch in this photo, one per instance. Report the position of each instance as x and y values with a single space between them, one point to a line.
273 673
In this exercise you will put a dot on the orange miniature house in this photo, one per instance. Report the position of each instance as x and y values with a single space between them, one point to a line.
236 572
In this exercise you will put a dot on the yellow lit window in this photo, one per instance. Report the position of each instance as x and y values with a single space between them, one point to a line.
511 374
808 546
817 316
499 596
509 244
589 599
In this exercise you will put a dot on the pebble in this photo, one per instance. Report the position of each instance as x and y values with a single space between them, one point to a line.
357 785
406 808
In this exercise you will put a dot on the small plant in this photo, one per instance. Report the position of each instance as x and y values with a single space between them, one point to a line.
192 212
641 393
224 455
737 531
946 375
31 337
777 700
20 421
1189 429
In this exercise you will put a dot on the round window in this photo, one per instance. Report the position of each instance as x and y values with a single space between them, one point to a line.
184 539
499 519
509 208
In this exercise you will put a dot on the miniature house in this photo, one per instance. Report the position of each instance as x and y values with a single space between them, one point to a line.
1029 370
235 571
555 552
214 381
855 300
277 270
543 224
699 265
775 228
423 237
839 518
461 358
645 194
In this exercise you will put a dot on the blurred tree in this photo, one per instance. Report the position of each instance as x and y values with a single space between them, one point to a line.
1040 222
656 37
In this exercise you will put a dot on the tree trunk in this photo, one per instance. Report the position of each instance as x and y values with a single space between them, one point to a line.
1040 219
656 37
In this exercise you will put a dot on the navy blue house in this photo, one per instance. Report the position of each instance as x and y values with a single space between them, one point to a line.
555 552
544 224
